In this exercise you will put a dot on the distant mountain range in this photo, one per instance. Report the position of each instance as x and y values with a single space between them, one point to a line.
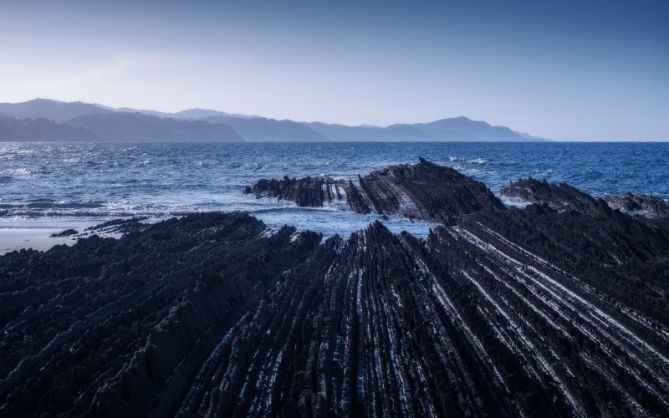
139 127
51 120
18 129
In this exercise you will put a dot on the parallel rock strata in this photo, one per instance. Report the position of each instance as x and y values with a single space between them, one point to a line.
121 327
563 197
306 192
420 191
639 204
505 313
559 197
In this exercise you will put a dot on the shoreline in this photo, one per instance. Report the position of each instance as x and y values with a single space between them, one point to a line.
37 235
40 239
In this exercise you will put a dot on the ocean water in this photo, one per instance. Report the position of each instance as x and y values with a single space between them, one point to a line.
60 185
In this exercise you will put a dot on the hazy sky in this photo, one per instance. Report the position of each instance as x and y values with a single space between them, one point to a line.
568 70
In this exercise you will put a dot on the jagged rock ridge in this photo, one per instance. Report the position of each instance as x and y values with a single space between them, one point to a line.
563 197
560 197
420 191
639 204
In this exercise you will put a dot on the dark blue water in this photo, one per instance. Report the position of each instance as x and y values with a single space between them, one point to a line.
57 184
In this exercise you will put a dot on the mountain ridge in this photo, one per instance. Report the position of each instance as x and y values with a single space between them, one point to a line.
138 127
17 129
236 127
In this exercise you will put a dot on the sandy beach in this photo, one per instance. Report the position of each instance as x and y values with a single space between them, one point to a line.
36 238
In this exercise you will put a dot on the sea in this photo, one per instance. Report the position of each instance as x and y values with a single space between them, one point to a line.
55 186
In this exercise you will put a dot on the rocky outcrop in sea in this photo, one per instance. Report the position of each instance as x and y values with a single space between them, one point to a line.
639 204
549 310
417 191
563 197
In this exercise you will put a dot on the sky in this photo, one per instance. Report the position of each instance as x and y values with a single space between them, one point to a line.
564 70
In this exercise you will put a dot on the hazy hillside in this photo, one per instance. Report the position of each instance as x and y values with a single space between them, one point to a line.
137 127
206 125
474 129
207 113
453 129
15 129
190 114
365 133
269 130
50 109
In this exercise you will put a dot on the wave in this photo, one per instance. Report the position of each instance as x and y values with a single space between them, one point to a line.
478 160
120 180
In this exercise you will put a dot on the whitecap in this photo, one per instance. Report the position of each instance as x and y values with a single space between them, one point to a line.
514 202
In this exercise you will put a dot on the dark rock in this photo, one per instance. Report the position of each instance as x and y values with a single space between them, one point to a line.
505 313
120 226
609 251
66 233
560 197
425 191
306 192
639 204
420 191
121 327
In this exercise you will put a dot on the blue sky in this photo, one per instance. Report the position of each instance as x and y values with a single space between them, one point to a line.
569 70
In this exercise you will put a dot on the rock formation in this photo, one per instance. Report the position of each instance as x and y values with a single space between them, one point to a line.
66 233
539 311
639 204
560 197
306 192
418 191
563 197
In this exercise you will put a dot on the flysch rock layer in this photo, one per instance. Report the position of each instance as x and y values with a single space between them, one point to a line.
639 204
559 197
565 197
418 191
503 312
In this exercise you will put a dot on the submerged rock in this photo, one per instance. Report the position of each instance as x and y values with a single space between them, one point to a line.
506 313
65 233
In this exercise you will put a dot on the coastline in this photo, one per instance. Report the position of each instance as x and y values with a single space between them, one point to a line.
40 239
212 302
37 235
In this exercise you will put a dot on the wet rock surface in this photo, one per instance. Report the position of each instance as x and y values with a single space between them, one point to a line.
563 197
503 312
306 192
639 204
419 191
560 197
118 226
65 233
